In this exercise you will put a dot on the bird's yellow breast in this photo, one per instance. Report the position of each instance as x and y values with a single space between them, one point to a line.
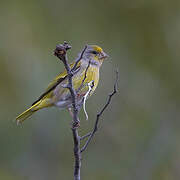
92 74
60 94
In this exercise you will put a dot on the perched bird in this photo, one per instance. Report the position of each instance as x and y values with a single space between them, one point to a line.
59 96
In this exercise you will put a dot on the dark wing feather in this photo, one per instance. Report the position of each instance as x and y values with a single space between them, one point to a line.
61 77
49 90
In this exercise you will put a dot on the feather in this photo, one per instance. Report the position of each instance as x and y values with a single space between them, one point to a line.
60 78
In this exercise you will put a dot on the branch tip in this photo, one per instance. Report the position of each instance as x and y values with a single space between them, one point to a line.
95 129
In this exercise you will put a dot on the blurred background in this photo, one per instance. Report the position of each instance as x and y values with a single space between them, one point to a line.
139 134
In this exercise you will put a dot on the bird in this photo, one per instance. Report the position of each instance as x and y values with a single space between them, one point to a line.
57 95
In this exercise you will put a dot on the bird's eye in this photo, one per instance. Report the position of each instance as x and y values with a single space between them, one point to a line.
94 52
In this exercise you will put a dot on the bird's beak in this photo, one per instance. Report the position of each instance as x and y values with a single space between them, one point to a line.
103 55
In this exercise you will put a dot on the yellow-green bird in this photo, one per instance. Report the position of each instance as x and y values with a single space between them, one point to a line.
57 95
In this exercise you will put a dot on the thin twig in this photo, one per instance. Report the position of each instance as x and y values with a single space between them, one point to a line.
91 134
79 58
85 76
85 136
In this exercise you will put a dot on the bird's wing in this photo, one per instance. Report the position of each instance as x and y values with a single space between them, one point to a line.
60 78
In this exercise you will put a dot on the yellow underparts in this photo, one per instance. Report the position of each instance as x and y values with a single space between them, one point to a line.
91 75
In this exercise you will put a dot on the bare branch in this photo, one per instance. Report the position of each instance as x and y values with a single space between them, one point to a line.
79 58
85 76
85 136
60 52
77 154
91 134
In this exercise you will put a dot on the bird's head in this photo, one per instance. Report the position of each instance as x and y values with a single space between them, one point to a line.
95 54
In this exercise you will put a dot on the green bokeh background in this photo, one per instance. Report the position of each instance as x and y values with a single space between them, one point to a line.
138 138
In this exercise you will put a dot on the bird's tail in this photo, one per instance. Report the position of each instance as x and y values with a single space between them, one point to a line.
27 113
